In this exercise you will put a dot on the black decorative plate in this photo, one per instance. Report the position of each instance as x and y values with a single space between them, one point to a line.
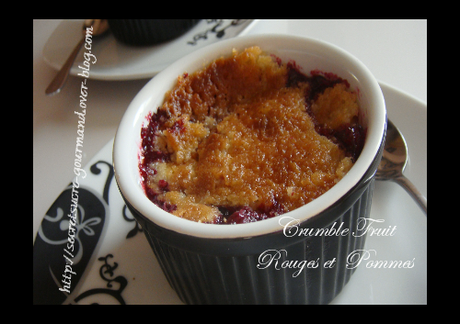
107 259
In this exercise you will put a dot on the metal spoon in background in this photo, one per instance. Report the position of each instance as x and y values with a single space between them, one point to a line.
100 26
394 162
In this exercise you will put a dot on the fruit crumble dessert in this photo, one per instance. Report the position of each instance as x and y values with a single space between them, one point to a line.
248 138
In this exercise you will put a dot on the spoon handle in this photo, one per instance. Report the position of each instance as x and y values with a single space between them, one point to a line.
413 191
59 80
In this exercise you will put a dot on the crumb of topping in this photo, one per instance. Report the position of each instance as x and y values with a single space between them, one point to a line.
335 106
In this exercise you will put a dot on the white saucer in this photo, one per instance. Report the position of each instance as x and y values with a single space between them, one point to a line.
123 268
116 61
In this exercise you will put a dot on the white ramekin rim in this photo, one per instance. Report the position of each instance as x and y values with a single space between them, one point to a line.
127 140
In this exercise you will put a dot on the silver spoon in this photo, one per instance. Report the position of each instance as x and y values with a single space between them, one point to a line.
100 26
394 162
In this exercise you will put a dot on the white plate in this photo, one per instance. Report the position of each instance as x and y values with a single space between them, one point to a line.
116 61
123 268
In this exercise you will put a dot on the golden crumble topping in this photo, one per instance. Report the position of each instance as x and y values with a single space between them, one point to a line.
233 140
